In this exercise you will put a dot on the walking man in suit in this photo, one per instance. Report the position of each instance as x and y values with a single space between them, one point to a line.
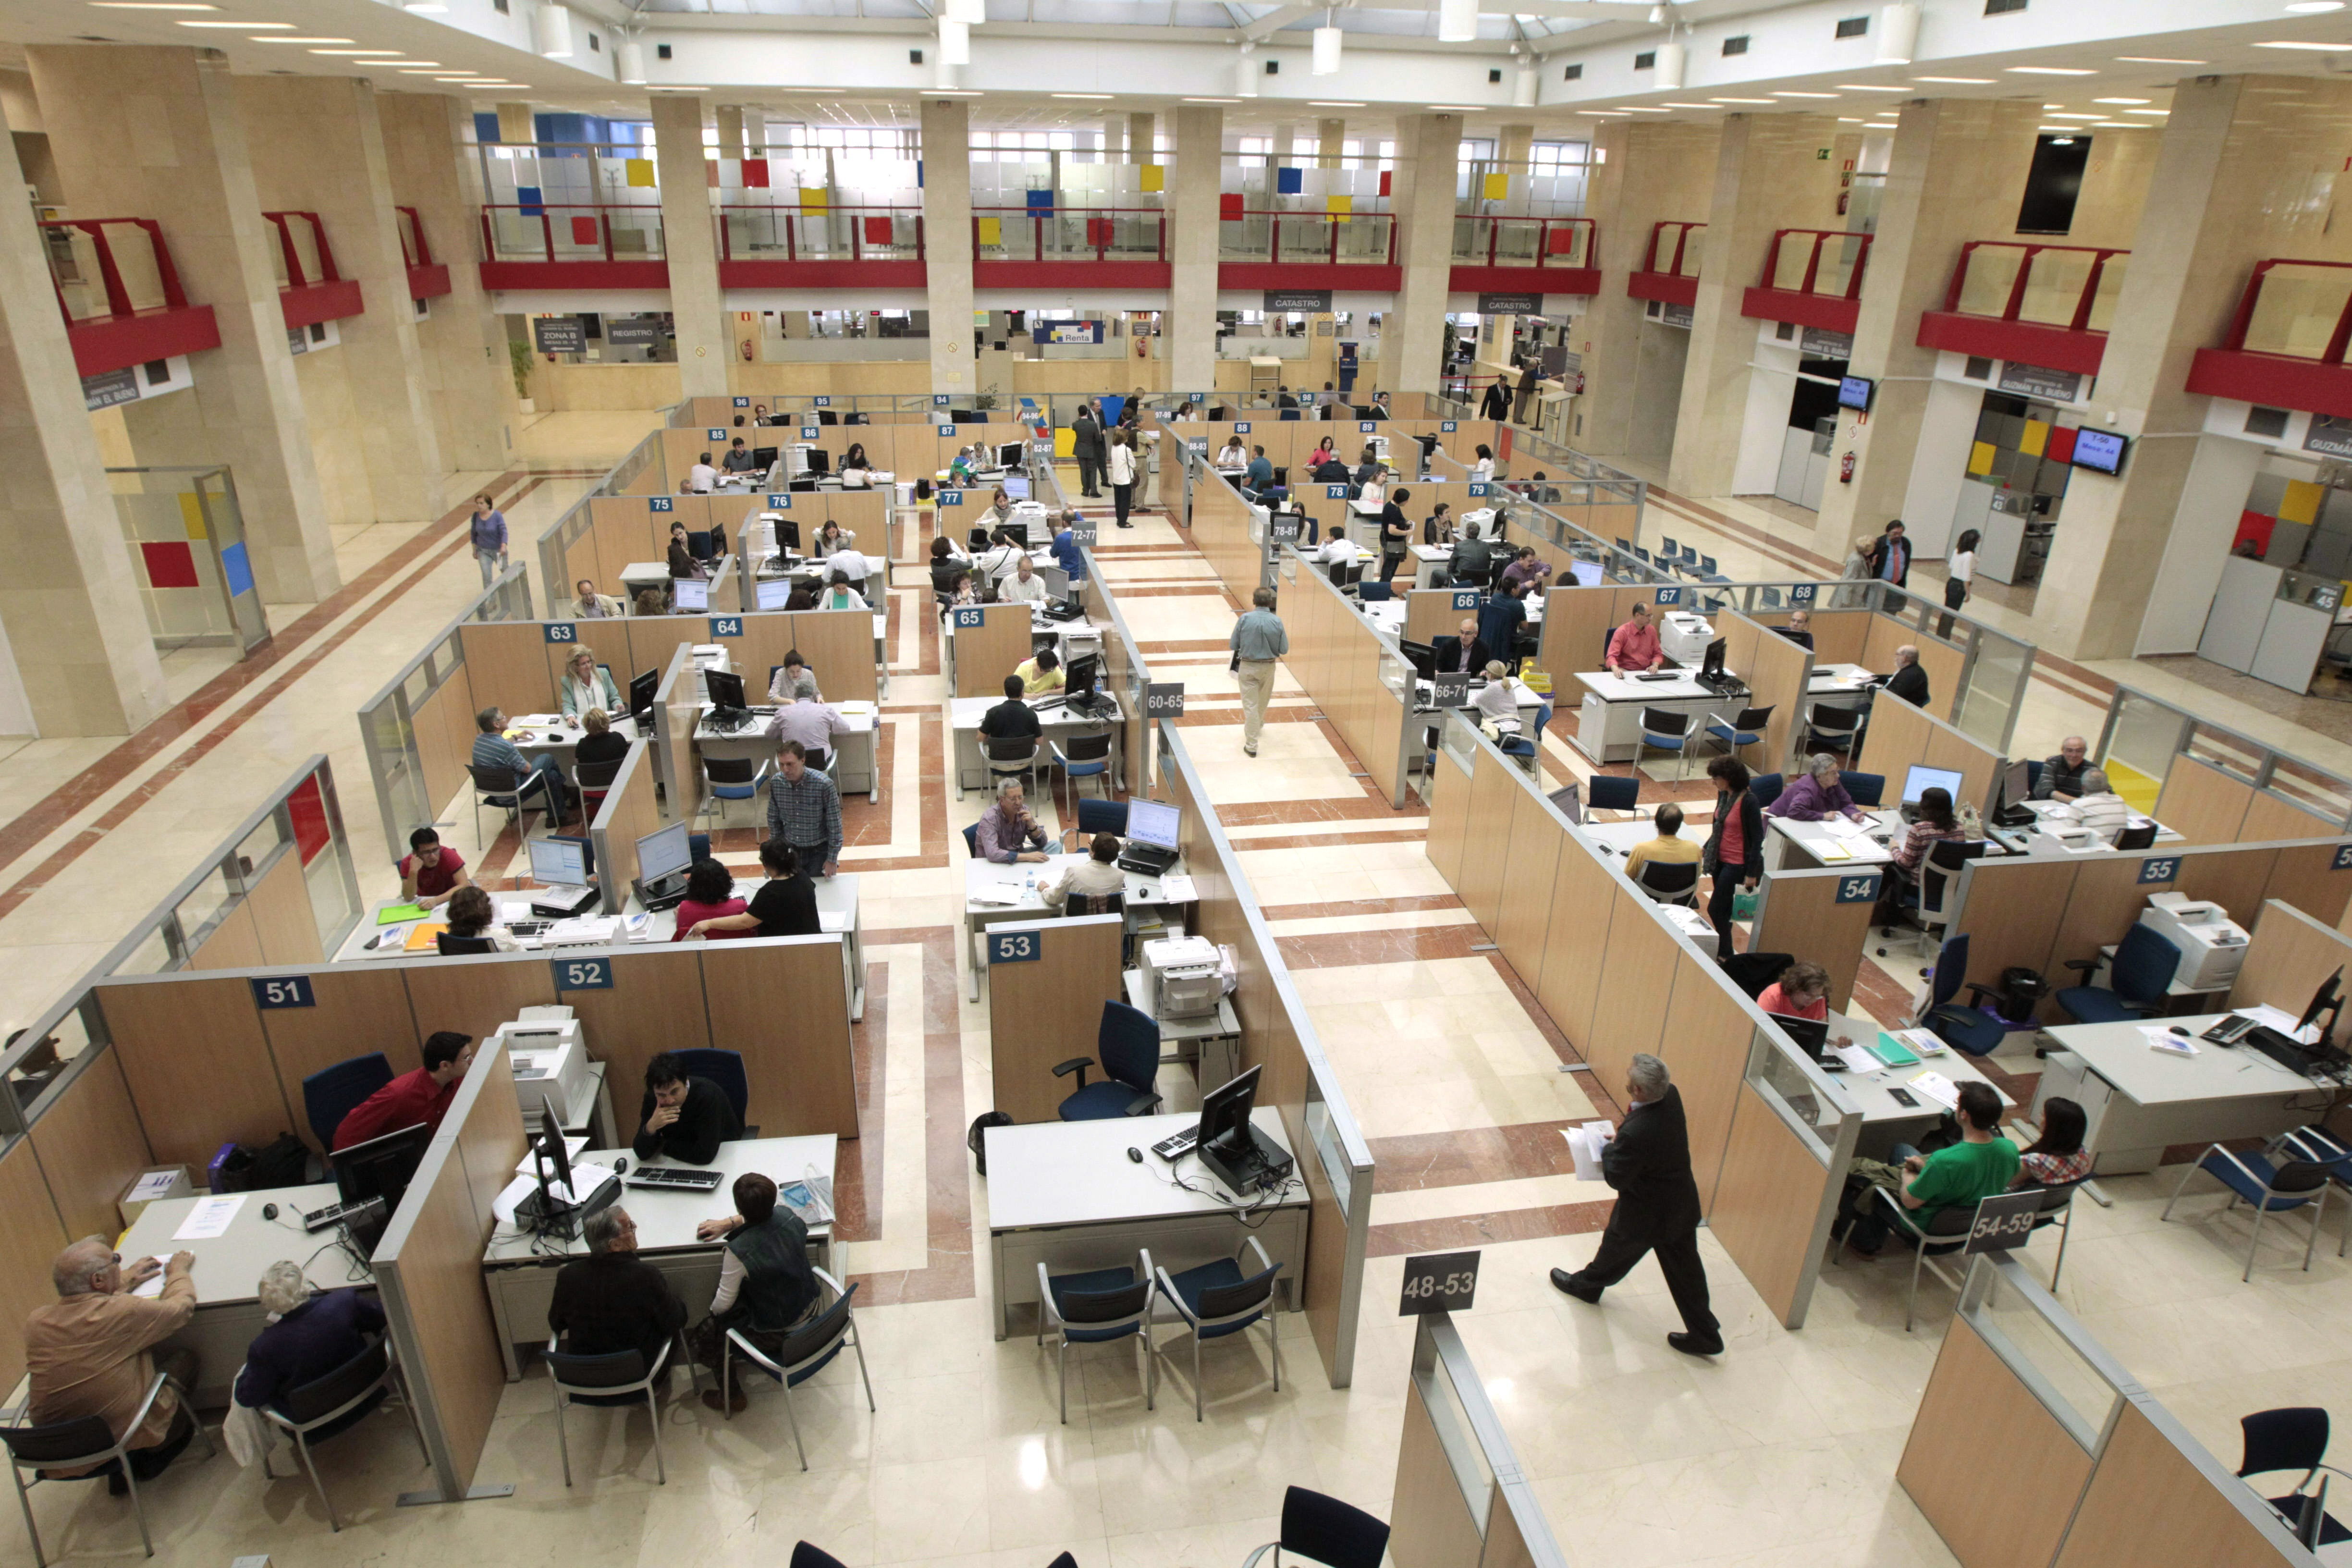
1087 447
1648 1163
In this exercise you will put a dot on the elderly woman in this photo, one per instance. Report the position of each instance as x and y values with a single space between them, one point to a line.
1816 795
588 605
586 684
308 1335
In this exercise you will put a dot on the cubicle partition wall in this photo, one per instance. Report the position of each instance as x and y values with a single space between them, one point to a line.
2033 1445
678 712
1224 529
1902 737
1769 1132
1579 622
1351 670
2207 803
1461 1498
1049 1009
2289 955
1124 673
629 812
1820 915
2231 786
990 642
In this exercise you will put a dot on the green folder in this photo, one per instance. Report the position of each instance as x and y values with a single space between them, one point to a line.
392 914
1893 1052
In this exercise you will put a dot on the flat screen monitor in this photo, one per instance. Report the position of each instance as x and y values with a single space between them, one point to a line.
2322 1000
380 1167
1813 1033
1854 392
1225 1111
818 463
1008 455
1082 676
1711 664
691 594
2100 451
1018 533
559 863
765 458
1153 822
1921 778
2016 782
774 592
555 1168
665 853
725 687
1588 573
642 688
1016 486
1424 657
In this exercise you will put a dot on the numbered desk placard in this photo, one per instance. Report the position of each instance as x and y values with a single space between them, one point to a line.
950 498
1242 427
558 631
1084 531
1801 595
282 991
1366 426
1466 599
812 432
1286 531
726 627
661 503
2003 1222
743 403
1446 425
2160 869
969 615
939 399
582 973
1451 689
780 502
1670 596
1480 488
822 402
948 430
1163 700
714 435
2343 861
1858 890
1015 947
1335 492
1439 1282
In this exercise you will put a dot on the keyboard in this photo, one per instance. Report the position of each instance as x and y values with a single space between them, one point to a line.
336 1214
1177 1146
2229 1031
528 927
1657 675
675 1178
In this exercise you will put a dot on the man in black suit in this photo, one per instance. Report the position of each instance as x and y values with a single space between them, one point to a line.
1657 1208
1909 681
1462 654
1086 445
1800 628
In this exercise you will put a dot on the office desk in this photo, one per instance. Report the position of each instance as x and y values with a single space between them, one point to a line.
639 575
1214 1042
837 908
1065 1194
1885 1121
1429 566
1142 893
2057 814
228 1270
1810 846
2139 1099
1428 716
858 772
554 735
1069 639
519 1271
968 769
1830 680
1609 720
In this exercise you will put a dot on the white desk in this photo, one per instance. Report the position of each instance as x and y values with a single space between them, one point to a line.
228 1270
1214 1039
554 735
1806 845
968 768
1065 1194
639 575
858 772
519 1271
2140 1099
979 876
1609 719
1882 1113
2058 814
837 908
1429 566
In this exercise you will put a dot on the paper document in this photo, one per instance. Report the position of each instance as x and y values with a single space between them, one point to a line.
2161 1037
1178 890
1923 1041
2271 1018
572 1145
1846 827
510 912
1585 1142
1857 1059
1834 850
834 920
1002 894
210 1217
153 1288
1937 1087
153 1186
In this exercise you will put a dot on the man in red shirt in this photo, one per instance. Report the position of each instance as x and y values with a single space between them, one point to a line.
1634 648
429 873
413 1096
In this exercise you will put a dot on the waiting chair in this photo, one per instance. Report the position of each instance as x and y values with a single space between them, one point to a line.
1968 1030
1612 792
504 789
1746 729
618 1379
2291 1174
1085 756
1667 882
1216 1301
1939 1237
1765 788
2057 1209
2142 969
1128 1046
1829 729
1707 566
1325 1530
1096 1308
724 1068
803 1354
88 1440
1672 548
595 782
333 1093
335 1402
1868 790
1011 757
1102 816
1663 730
730 778
2293 1438
1074 905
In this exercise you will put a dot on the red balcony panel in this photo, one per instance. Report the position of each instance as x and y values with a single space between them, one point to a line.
1361 278
1524 281
1823 310
2030 342
428 282
842 274
117 343
1663 286
575 274
1071 274
2276 381
316 302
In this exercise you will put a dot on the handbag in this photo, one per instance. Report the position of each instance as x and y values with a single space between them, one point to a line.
1743 904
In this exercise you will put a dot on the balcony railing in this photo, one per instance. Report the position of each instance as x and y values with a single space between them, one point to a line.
1669 269
795 231
1306 238
2287 344
121 295
2043 304
1069 234
557 231
1811 277
311 289
1501 241
427 279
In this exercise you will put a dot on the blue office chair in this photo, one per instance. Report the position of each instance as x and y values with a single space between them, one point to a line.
806 1352
1216 1301
1765 788
2291 1174
333 1093
1745 729
1612 792
1663 730
462 946
971 837
1831 729
724 1068
2144 965
1867 789
1641 555
1968 1030
1101 815
1672 548
1096 1308
2033 775
2295 1439
1374 593
1625 544
1708 568
1128 1046
1325 1530
730 778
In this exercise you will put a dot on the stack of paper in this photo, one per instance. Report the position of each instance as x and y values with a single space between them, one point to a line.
1585 1142
2161 1037
1002 894
1937 1087
210 1217
1178 890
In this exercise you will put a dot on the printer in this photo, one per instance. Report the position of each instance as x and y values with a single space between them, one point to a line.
2211 946
549 1063
1181 977
2057 838
1479 524
1684 637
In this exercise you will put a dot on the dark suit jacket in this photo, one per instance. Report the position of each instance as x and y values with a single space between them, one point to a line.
613 1302
1087 434
1803 640
1878 560
1447 648
1649 1165
1909 683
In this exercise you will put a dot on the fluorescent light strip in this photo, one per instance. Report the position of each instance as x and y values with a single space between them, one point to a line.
1764 102
2122 100
2157 61
1692 106
1645 109
1103 96
305 39
1882 125
1330 103
1441 108
152 5
1957 80
2077 116
1777 93
389 54
248 27
2274 44
1606 113
1865 87
2155 111
1223 100
2058 70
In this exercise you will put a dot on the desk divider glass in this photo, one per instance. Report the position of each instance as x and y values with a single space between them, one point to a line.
1461 1500
2144 734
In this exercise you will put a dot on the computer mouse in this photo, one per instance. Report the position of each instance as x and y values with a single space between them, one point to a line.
2178 1030
621 1166
269 1211
1135 1154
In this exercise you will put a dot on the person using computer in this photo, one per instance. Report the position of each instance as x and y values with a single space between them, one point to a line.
785 905
1501 616
473 917
709 896
1464 653
542 777
1817 795
1041 673
613 1302
2061 776
1734 856
682 1117
1257 481
793 680
766 1287
1936 824
431 870
701 479
1668 848
839 595
421 1096
805 809
739 457
1438 527
854 458
1800 628
1634 647
1007 832
587 605
1096 876
649 602
830 540
95 1351
997 513
308 1335
1909 681
1024 586
1801 992
2099 807
587 684
682 563
1958 1175
1527 570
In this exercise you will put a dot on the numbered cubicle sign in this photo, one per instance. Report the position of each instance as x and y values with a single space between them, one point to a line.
2160 869
1163 700
743 403
1198 443
812 432
558 631
1285 525
821 401
947 430
1670 596
714 435
2343 861
282 991
2003 1221
1084 531
780 503
1446 425
1439 1282
582 973
1801 595
1366 426
726 627
1335 492
1015 947
1858 890
1196 397
1451 689
939 399
1480 490
1242 429
950 498
969 617
1466 599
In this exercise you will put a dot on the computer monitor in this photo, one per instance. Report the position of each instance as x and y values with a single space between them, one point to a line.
559 863
1921 778
1424 657
2323 1000
1016 486
818 463
765 458
665 853
1009 455
642 688
775 593
1080 678
2016 782
1153 822
1225 1110
1588 573
724 687
1812 1034
1018 533
1711 664
554 1166
691 594
380 1167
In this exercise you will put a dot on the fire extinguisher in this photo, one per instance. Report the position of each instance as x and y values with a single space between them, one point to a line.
1845 469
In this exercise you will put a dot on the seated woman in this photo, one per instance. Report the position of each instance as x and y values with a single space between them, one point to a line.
470 914
959 591
682 562
1233 455
1936 823
832 538
709 896
1439 529
309 1334
650 602
766 1287
599 744
587 684
1801 992
945 549
999 512
786 904
2057 1156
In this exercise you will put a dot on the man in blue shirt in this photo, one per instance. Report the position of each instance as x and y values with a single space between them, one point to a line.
489 530
542 777
1499 619
1066 554
1259 478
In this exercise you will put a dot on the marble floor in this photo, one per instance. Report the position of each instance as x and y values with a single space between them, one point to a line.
1780 1453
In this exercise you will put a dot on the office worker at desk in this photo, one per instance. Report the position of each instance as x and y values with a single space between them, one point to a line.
471 917
838 594
1464 653
1094 877
1634 647
830 540
1668 848
1800 628
1816 795
91 1351
586 685
786 904
1007 832
793 680
766 1287
682 563
431 870
1527 571
813 723
709 897
2061 776
682 1117
805 809
421 1096
309 1334
1909 681
1801 992
1041 673
587 605
1438 528
1023 587
739 457
613 1301
1013 719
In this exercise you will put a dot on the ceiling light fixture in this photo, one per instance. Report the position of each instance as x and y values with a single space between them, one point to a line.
1868 86
1765 101
1898 33
2076 116
629 61
2157 61
2117 125
968 11
1606 113
955 42
2275 44
1105 96
1690 106
393 53
2157 112
1780 94
306 39
2053 70
1457 108
1645 109
1671 60
1326 47
152 5
425 8
2313 7
551 31
1881 125
1957 80
2122 100
1331 103
1208 100
1849 119
248 27
1457 21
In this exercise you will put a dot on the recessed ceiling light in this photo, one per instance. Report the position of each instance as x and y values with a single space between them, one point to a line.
425 8
2156 61
422 70
2122 100
2050 70
935 92
1957 80
1881 125
393 53
1765 101
1645 109
2274 44
2159 112
2117 125
2313 7
2068 131
1849 119
1213 101
421 65
1086 95
1458 108
2078 117
1606 113
467 78
1330 103
1777 93
152 5
1865 87
305 39
1689 106
249 27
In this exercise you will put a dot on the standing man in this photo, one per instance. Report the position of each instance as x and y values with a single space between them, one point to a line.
1648 1163
1087 446
804 810
489 540
1890 562
1258 639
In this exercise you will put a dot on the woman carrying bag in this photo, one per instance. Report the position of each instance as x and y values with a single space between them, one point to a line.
1734 854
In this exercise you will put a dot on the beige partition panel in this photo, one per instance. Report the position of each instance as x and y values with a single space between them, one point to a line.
1777 671
282 916
783 1001
507 663
1336 655
1487 849
1431 1525
91 1148
1898 739
1800 914
656 1004
836 644
2270 817
1838 635
1449 815
444 727
358 1008
1220 530
986 653
31 1237
1576 943
1705 1044
1430 614
2288 955
2147 1506
197 1065
2201 803
629 813
1981 1435
1042 1013
233 943
1523 924
475 996
1577 624
1637 984
1773 1202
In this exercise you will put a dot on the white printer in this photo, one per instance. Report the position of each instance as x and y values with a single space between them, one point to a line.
549 1063
1037 518
1684 637
1479 524
1181 976
2057 838
2211 946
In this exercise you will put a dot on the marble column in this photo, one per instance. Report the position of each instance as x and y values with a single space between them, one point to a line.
1422 196
691 244
947 242
1190 349
1643 175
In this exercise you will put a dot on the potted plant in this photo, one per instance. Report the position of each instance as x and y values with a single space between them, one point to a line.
519 359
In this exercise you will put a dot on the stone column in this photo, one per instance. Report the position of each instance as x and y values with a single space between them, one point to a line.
518 127
1331 142
154 133
1142 138
83 661
1511 149
947 241
469 378
319 147
730 118
1422 196
1646 174
1190 349
691 244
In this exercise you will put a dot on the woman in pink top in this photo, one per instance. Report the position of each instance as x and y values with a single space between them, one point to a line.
1734 852
709 896
1801 992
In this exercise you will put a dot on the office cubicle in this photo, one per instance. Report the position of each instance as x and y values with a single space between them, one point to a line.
2237 784
1351 670
1460 1500
1124 673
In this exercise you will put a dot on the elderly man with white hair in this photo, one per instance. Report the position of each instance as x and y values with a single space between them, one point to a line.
1909 681
1648 1162
2099 807
1816 795
613 1299
308 1335
91 1351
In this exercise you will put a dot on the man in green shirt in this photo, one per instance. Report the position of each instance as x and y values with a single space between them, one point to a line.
1958 1175
1258 642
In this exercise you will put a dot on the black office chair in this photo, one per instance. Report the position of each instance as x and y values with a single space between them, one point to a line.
2140 836
1101 815
505 789
334 1403
1011 756
85 1441
1613 792
1753 972
1669 882
616 1379
807 1557
2291 1439
1325 1530
1831 729
463 946
1127 1045
724 1068
1864 789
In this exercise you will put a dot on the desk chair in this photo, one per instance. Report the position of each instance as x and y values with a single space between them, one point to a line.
2141 836
1928 897
1127 1043
69 1445
1829 729
333 1093
1612 792
462 946
1096 1308
1325 1530
335 1402
1011 756
1753 972
1663 730
618 1379
1217 1302
1746 728
1103 816
1765 788
2143 967
1641 555
724 1068
1668 883
2292 1438
730 778
1939 1237
595 782
2288 1176
505 789
802 1354
1968 1030
1085 756
2057 1208
1867 790
972 839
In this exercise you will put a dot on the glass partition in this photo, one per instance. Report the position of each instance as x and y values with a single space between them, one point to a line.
1477 1451
186 540
2143 734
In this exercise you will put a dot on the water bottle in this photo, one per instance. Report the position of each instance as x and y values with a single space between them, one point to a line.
1971 821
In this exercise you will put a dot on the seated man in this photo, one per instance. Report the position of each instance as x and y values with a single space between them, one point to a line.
1526 571
1259 478
1800 628
1012 719
1668 848
1816 795
1024 586
1471 561
1041 674
739 457
1634 647
1499 620
543 776
814 724
681 1118
2061 776
308 1336
1909 681
1463 653
1959 1175
423 1095
614 1301
88 1352
2099 808
1009 833
430 872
